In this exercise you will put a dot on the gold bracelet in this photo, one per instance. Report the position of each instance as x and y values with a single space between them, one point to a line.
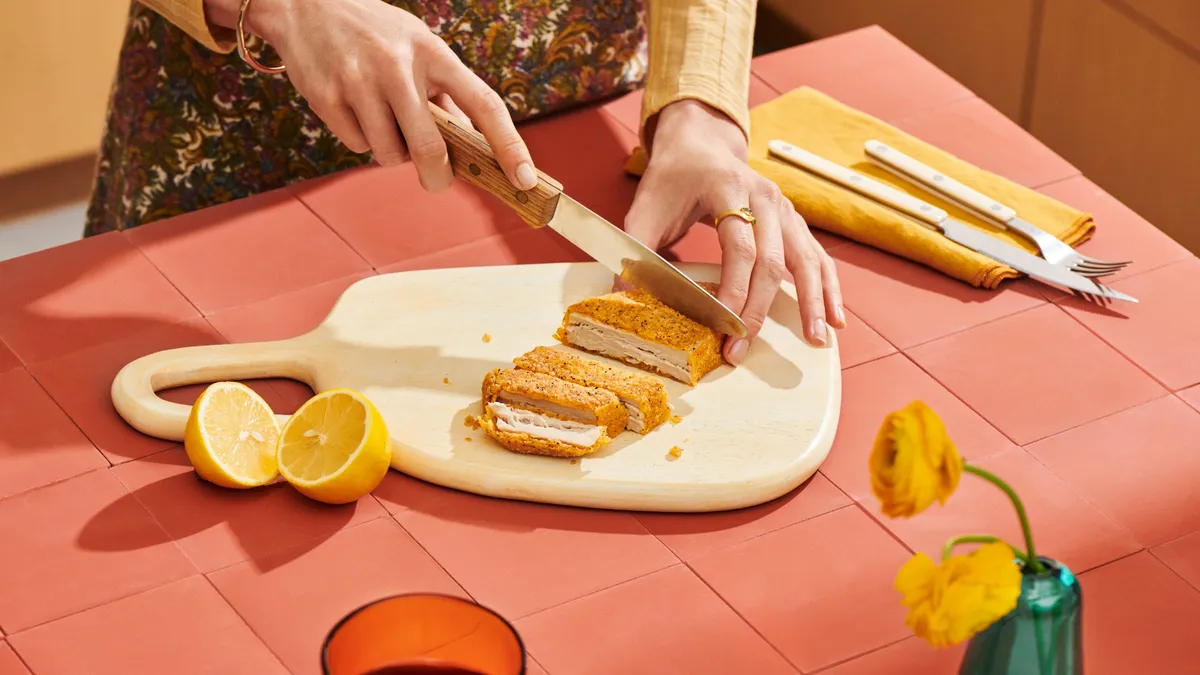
244 52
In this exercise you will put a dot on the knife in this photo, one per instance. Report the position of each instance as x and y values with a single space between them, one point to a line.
472 161
960 233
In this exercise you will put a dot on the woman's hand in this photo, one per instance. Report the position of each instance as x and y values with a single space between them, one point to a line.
368 69
698 167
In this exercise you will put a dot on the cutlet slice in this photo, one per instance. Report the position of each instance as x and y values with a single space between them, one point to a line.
534 413
636 328
645 398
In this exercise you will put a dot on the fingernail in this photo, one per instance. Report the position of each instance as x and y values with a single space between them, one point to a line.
818 331
737 352
837 311
526 178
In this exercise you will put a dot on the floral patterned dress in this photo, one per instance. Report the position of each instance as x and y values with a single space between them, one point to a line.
189 128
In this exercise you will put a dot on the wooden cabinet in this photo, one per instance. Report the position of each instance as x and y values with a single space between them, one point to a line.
57 60
1123 105
1177 19
984 44
1111 85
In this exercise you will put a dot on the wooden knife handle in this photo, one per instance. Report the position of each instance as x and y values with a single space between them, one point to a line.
472 161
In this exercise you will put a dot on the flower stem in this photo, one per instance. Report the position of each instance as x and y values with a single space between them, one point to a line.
1030 554
980 539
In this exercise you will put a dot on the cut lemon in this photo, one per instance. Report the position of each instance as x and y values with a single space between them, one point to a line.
231 437
335 448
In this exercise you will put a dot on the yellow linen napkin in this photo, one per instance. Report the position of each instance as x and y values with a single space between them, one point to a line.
816 122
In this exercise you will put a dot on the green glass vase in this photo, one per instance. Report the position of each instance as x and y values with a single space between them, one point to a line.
1042 635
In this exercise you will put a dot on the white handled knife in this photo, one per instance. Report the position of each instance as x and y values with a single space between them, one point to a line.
960 233
546 204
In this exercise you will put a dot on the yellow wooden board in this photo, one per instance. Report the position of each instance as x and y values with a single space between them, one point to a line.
748 434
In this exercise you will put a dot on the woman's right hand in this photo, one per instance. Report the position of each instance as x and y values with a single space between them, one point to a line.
368 70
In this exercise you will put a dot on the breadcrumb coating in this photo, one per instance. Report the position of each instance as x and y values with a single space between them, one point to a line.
644 392
640 314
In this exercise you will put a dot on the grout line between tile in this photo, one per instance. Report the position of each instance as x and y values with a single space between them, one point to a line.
50 485
1113 347
1118 559
760 534
1042 303
449 249
295 544
8 636
71 419
234 609
744 620
826 669
874 330
429 553
875 519
591 593
870 360
1166 390
1167 565
20 658
295 195
149 514
161 273
1010 438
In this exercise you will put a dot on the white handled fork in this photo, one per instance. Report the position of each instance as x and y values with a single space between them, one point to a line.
1054 250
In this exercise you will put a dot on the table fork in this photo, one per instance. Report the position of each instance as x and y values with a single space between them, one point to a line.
1054 250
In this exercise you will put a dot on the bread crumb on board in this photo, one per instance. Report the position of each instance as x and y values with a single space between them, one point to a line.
574 460
487 337
469 439
675 452
445 380
471 422
676 419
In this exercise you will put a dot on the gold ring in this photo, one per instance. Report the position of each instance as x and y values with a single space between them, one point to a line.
744 213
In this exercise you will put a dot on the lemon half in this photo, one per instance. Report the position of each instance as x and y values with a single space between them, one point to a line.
231 437
335 448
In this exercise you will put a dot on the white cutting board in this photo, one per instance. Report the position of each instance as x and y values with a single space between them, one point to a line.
748 434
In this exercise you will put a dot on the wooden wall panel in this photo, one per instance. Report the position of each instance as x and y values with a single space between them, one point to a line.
1179 18
57 59
1123 106
982 43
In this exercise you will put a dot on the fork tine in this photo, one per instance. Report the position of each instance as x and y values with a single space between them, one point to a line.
1091 275
1103 263
1107 269
1092 272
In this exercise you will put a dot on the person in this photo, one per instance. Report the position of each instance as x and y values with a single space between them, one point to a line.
203 112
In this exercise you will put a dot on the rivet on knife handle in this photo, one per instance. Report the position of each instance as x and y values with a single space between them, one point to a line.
472 161
884 194
898 162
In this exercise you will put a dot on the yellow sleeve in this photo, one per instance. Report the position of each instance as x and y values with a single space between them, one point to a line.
188 15
700 49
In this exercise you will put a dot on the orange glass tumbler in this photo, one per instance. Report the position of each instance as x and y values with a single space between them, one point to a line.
423 633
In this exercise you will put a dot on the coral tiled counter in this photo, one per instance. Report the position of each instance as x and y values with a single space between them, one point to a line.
115 559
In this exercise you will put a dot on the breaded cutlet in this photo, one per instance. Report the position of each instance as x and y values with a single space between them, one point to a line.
534 413
636 328
644 396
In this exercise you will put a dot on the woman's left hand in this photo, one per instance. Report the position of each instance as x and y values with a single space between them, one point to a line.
698 167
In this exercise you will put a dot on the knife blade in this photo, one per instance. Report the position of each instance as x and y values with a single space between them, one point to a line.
913 171
958 232
472 161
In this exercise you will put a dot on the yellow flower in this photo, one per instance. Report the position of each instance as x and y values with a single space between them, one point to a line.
949 603
914 463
